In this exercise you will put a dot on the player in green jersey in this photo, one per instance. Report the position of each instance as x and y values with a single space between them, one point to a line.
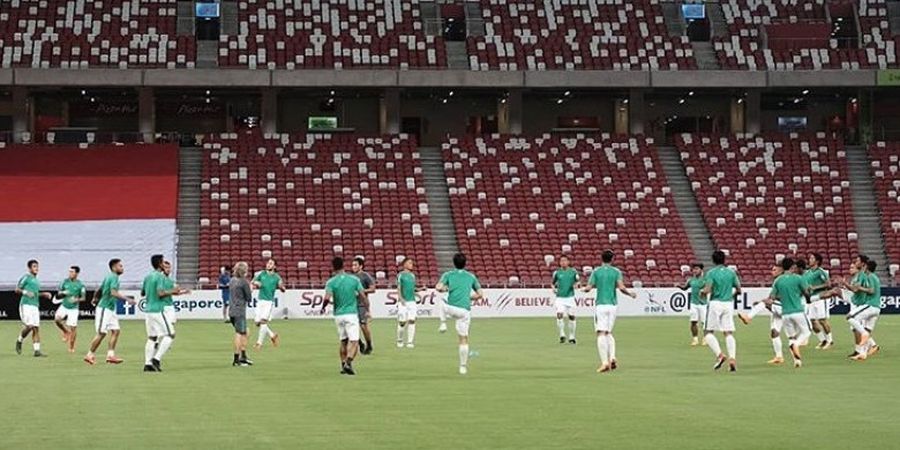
565 281
407 308
697 301
607 279
105 319
267 281
160 310
722 285
461 287
793 293
866 307
71 293
821 291
29 290
346 292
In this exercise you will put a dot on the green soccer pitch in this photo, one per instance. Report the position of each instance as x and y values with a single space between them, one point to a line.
524 390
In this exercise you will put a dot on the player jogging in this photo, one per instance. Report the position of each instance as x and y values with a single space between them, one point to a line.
607 279
793 292
346 291
105 319
818 311
160 313
459 284
698 302
29 290
723 286
71 293
407 309
866 307
267 281
241 294
365 313
565 280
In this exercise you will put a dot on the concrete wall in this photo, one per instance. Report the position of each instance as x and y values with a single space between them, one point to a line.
439 119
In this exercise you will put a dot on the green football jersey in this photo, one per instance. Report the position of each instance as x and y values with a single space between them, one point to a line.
74 291
460 284
874 299
565 281
29 283
789 289
696 285
816 277
167 284
860 298
406 282
723 281
109 284
151 292
268 284
344 289
606 279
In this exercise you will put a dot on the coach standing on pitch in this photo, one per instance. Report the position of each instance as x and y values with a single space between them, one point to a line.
241 294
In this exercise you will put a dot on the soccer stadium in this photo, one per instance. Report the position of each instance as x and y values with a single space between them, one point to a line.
565 224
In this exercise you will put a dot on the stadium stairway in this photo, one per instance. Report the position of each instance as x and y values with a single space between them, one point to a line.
443 229
705 56
674 20
190 167
207 54
457 56
686 202
865 208
894 16
186 20
717 19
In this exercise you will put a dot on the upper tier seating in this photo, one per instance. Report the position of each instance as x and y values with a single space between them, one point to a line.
886 169
767 196
330 34
518 203
799 36
304 199
574 34
100 33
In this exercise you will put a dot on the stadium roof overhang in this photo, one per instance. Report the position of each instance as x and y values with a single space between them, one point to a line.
431 78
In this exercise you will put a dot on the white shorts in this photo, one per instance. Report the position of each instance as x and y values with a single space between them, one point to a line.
105 320
605 317
462 316
264 310
31 315
698 313
407 311
719 316
160 324
818 309
867 315
794 323
347 326
565 305
776 320
170 314
69 315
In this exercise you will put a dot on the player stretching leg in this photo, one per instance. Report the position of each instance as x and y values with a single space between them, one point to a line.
105 320
776 320
607 279
866 307
29 288
820 285
407 309
722 285
365 313
347 292
875 303
698 302
267 281
240 295
564 281
459 285
71 293
792 290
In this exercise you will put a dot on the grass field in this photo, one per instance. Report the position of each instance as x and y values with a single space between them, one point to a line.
524 390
